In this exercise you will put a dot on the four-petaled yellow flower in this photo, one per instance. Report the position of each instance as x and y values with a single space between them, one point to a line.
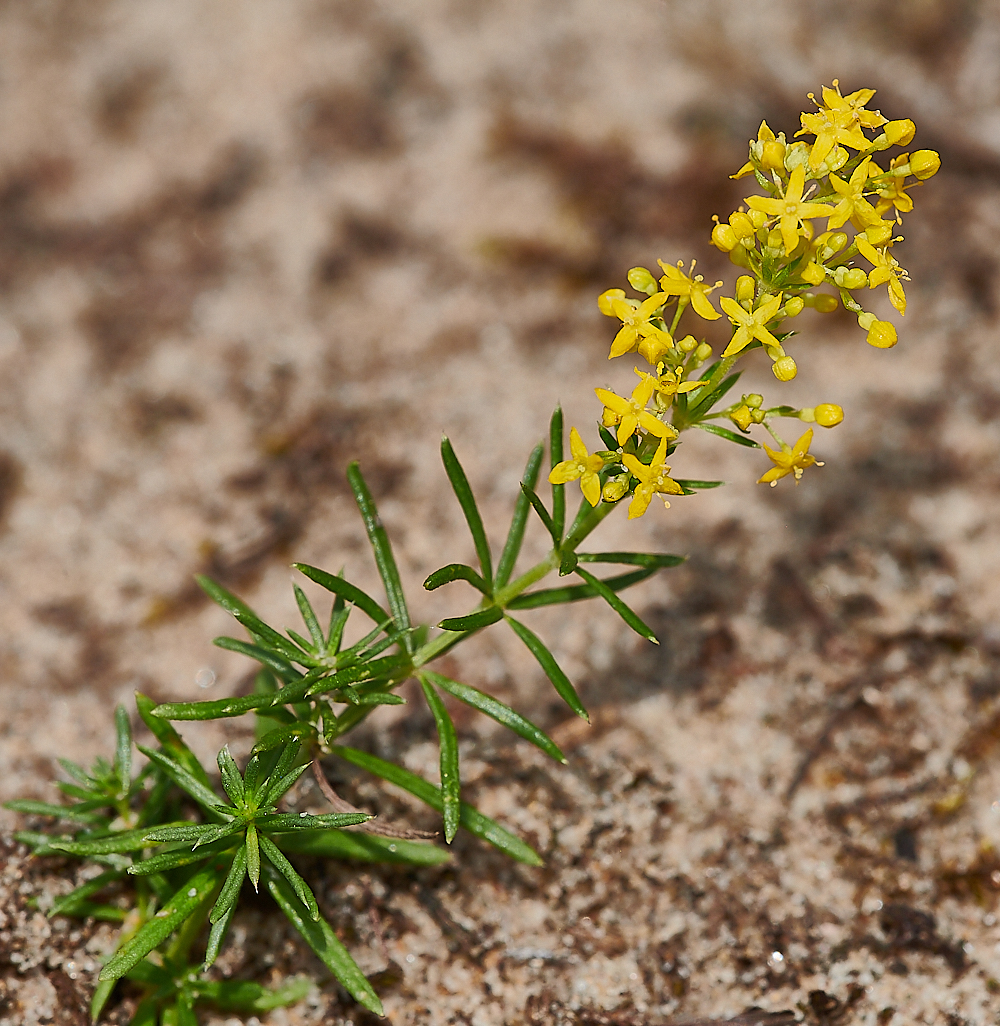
886 269
653 480
668 383
691 287
633 411
839 120
894 194
751 325
853 206
583 466
789 461
635 318
790 209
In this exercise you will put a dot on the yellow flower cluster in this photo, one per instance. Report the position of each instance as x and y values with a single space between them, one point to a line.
772 237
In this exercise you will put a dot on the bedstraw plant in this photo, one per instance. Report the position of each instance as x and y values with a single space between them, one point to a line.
188 851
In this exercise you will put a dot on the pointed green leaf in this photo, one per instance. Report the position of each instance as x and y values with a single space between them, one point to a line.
344 589
123 748
338 620
359 847
272 660
384 559
688 485
185 780
474 621
577 592
171 741
543 514
456 572
231 888
321 938
68 903
730 436
552 669
515 536
463 492
76 771
277 822
123 840
253 856
470 818
184 832
451 782
170 860
710 398
249 996
154 932
216 935
309 618
654 560
307 647
67 812
280 736
101 994
232 782
558 490
618 606
498 711
302 890
280 784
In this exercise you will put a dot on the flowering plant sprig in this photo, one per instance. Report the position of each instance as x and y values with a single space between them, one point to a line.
190 851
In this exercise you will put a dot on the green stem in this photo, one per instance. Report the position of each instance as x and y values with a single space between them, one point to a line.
681 423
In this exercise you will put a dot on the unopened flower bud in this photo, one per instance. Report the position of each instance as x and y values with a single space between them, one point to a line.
772 156
830 242
882 335
813 273
828 415
794 306
757 218
774 239
880 233
642 281
925 163
724 238
784 368
605 299
850 277
741 417
745 286
738 256
687 343
754 400
825 303
614 489
900 133
742 225
703 352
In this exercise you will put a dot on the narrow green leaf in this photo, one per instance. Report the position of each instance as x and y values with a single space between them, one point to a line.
463 492
309 618
543 514
101 994
577 592
123 749
731 436
280 736
558 490
451 782
307 647
277 822
567 562
302 890
618 606
456 572
154 932
474 621
124 840
90 798
470 818
515 536
232 782
248 996
76 771
280 784
68 903
171 741
384 559
654 560
272 660
181 832
253 856
498 711
185 780
373 698
341 844
216 935
690 485
170 860
608 438
321 938
344 589
67 812
231 888
710 398
552 669
227 707
338 620
708 371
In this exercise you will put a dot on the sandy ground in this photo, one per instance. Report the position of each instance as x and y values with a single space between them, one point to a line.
242 244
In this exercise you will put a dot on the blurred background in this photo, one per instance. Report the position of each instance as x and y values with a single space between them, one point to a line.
243 244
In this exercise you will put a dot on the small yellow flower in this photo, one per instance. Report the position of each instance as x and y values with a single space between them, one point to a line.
768 150
653 480
582 466
693 288
853 206
886 269
751 325
839 120
635 318
742 417
668 383
789 461
633 411
790 208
